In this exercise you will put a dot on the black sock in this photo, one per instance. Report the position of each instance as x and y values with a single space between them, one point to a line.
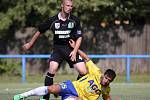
79 76
48 81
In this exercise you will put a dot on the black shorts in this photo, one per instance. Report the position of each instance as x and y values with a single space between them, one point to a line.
61 53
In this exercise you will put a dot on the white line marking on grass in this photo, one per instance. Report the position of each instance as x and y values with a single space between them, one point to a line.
19 89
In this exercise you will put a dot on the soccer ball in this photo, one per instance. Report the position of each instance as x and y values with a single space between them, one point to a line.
71 98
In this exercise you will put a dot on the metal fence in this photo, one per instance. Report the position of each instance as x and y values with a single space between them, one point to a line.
127 57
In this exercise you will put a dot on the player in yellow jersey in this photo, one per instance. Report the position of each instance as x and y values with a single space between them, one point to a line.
89 87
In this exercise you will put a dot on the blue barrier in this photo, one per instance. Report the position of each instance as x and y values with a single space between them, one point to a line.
23 57
127 57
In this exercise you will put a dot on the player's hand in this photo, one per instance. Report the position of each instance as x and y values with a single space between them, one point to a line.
72 43
73 55
26 46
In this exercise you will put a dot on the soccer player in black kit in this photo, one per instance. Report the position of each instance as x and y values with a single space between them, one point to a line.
64 27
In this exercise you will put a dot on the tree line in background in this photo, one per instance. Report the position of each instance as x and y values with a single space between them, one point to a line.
21 14
109 26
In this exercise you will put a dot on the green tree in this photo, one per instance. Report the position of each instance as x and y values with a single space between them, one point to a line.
19 14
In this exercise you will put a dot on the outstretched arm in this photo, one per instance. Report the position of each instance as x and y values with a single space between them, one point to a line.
92 68
81 53
31 43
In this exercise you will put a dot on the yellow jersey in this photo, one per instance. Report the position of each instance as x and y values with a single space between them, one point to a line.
88 87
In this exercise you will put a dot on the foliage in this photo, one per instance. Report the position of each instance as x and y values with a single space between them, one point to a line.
22 11
20 14
10 67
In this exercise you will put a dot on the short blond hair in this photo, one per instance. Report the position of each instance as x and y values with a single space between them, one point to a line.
62 1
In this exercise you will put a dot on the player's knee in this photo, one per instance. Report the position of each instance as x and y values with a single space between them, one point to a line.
53 67
51 89
54 89
52 71
83 71
81 68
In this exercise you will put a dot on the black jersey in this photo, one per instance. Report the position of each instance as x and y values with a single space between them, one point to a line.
63 30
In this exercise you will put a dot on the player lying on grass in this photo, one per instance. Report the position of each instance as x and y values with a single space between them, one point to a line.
89 87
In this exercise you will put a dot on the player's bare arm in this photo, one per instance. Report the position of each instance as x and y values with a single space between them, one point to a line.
81 53
74 52
30 44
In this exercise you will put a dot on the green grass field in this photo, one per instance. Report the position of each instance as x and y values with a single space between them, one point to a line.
135 90
120 91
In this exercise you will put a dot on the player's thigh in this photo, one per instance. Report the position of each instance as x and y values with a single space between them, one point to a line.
80 67
53 67
56 56
54 61
67 89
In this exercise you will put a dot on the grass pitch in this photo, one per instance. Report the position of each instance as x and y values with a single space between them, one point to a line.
137 89
120 91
